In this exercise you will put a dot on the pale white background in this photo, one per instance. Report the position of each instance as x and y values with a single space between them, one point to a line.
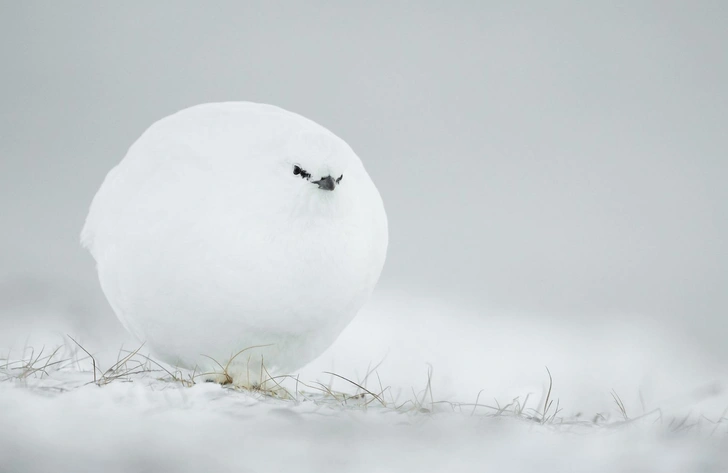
557 157
554 175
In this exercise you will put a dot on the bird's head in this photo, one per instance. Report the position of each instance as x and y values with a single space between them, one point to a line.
320 161
328 183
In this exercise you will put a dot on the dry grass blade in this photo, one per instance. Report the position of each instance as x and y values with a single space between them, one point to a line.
172 375
325 389
620 404
381 393
48 361
29 367
270 378
123 361
428 389
215 361
242 351
475 405
93 360
228 378
547 402
381 401
719 421
224 369
373 370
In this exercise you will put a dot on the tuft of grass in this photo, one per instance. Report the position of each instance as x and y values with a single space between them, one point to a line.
125 368
375 396
266 385
133 365
32 365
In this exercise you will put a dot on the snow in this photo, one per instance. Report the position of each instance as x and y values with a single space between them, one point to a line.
206 428
62 421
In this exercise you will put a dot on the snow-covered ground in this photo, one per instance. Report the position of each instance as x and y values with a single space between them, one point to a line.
460 391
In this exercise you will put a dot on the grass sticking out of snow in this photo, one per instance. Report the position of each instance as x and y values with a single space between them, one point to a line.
71 366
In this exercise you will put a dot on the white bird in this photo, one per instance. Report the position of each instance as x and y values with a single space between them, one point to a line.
233 226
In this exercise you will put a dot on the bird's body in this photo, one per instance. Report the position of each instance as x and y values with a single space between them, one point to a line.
236 225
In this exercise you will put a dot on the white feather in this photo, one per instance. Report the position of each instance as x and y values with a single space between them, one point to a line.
207 243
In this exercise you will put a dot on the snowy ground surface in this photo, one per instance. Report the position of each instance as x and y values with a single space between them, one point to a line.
480 408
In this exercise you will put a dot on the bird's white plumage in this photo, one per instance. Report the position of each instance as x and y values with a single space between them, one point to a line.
207 243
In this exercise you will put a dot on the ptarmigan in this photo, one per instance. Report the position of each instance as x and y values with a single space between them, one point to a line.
232 226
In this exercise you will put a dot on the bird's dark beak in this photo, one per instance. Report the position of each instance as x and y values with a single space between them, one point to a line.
328 183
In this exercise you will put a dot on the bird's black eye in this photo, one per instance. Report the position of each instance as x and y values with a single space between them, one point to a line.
339 179
299 171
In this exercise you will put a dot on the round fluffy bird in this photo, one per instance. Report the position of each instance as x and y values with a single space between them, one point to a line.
237 231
